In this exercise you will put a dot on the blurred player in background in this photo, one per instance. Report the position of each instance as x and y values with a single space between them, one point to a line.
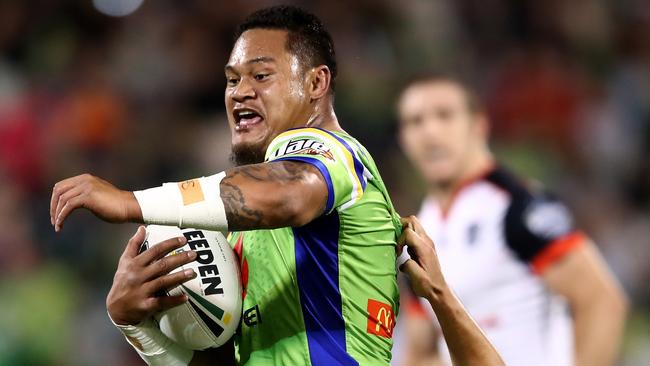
311 218
536 286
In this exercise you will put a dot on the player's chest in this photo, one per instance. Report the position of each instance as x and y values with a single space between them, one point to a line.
470 241
267 249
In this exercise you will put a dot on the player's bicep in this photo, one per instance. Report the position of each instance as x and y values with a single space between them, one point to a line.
581 276
274 194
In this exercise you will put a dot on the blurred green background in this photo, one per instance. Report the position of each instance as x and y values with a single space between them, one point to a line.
132 91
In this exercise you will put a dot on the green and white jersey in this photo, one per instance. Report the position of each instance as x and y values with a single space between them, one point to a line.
324 293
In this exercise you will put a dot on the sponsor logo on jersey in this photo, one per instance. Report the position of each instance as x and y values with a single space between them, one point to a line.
381 318
548 219
304 147
472 233
208 270
252 316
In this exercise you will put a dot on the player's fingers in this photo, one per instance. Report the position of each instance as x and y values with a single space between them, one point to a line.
70 205
408 236
407 220
162 303
53 200
412 269
168 264
64 198
399 247
133 246
407 267
410 242
59 189
413 223
415 245
160 250
402 240
417 226
169 281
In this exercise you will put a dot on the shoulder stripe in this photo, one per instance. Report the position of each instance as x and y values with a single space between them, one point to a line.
323 170
358 166
557 250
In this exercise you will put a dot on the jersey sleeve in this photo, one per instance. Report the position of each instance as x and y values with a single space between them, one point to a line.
540 230
337 160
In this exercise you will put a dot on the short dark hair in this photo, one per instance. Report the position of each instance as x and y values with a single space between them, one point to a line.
472 97
308 39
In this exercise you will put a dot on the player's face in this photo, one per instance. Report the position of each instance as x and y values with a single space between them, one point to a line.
437 130
265 94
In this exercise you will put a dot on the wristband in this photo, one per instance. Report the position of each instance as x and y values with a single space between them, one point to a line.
155 348
403 258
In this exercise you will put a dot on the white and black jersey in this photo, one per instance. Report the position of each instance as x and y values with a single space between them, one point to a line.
496 238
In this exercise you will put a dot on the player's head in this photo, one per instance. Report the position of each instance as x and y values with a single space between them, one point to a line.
442 127
280 75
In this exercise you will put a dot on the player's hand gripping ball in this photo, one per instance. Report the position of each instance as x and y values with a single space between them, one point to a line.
211 315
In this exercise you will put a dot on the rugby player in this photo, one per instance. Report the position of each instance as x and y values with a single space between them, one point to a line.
535 284
311 219
309 214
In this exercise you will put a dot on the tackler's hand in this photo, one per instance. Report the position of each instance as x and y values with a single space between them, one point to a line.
423 268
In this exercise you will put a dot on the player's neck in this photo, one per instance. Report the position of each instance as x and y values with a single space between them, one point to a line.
324 117
444 193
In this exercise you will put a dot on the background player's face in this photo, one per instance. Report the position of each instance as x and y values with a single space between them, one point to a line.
265 94
438 131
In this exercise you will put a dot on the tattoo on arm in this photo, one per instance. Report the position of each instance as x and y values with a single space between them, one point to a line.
282 171
240 214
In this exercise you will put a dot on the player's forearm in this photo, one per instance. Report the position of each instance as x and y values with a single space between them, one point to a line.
598 327
155 348
259 196
133 211
467 344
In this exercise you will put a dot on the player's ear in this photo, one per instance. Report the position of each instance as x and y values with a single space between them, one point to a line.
318 79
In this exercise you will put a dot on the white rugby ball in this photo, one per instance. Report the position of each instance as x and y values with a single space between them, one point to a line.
211 316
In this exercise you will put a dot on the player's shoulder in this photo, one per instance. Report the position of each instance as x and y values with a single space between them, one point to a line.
314 132
535 217
523 192
508 182
317 141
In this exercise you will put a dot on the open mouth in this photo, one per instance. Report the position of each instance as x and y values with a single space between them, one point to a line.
245 118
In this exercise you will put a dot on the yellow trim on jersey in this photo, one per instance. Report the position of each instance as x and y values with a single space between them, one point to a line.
349 159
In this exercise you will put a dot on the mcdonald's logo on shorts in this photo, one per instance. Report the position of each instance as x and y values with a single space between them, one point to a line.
381 319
